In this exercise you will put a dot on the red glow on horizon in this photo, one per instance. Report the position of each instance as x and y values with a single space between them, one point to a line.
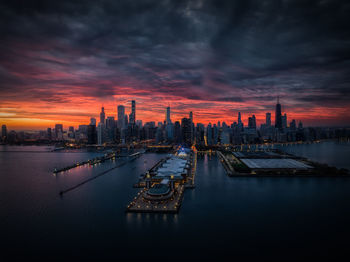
78 111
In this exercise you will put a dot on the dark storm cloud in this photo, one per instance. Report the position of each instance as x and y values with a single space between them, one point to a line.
230 51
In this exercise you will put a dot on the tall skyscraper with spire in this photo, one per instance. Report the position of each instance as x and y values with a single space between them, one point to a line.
167 115
240 124
102 115
278 115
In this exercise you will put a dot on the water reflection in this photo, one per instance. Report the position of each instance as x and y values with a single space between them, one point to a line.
222 213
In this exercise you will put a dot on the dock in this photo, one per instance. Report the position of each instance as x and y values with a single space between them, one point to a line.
226 164
95 161
164 184
139 205
130 158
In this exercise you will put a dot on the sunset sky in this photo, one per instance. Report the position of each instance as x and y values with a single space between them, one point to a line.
60 61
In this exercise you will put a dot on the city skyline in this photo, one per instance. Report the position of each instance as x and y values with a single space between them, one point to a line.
61 62
127 111
176 115
174 130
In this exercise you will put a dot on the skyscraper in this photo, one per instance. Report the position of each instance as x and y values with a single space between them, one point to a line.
177 132
101 138
71 133
59 131
284 121
293 125
49 134
121 116
209 135
3 131
167 116
83 131
169 128
102 115
132 117
186 129
200 134
215 134
110 128
93 121
278 115
268 119
126 120
91 134
139 123
192 126
110 123
240 123
239 118
252 122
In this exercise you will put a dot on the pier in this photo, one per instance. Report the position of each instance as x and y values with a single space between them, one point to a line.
140 205
191 177
94 161
164 184
226 164
130 158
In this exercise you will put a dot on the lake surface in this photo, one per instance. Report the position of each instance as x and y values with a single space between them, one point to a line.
331 152
238 218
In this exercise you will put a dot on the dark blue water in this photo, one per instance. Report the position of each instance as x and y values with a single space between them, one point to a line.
331 152
238 218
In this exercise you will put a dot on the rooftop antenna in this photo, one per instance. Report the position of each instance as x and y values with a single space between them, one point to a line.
278 94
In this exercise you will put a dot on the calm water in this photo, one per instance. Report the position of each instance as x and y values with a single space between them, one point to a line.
243 218
331 153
